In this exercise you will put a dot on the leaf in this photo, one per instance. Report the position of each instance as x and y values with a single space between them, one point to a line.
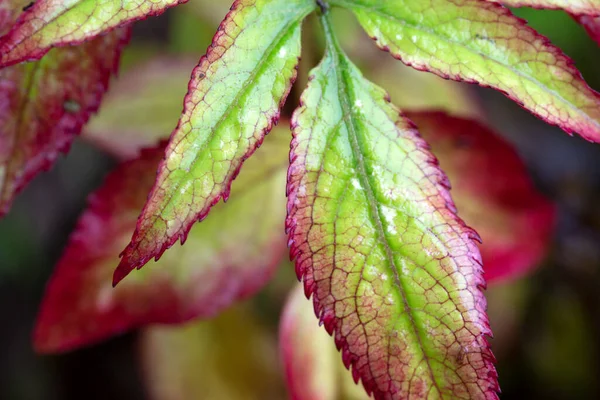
229 257
394 273
51 23
141 107
313 372
232 357
590 7
480 42
591 25
45 104
233 101
497 198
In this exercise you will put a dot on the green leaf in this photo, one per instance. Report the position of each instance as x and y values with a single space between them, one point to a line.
50 23
482 42
588 7
395 275
233 100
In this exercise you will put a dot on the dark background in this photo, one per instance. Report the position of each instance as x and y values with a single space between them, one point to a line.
547 325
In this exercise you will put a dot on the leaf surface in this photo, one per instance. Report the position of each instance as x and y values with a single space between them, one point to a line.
50 23
232 357
394 273
496 198
229 256
313 372
482 42
589 7
234 99
44 105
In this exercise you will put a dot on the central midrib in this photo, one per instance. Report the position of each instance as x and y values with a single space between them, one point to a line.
374 210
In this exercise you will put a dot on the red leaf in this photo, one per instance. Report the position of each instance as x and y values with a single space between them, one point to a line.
493 193
43 105
228 257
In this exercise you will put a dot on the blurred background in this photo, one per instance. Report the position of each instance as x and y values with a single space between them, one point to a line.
547 325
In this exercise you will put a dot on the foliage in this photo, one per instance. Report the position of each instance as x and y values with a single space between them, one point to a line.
395 274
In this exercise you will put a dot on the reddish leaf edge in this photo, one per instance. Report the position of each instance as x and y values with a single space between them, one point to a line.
549 207
557 52
591 24
40 52
545 7
126 266
64 147
328 320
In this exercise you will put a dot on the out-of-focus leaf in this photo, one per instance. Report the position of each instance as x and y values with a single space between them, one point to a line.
142 107
312 366
229 358
482 42
589 7
493 193
50 23
410 89
43 105
393 272
228 257
234 98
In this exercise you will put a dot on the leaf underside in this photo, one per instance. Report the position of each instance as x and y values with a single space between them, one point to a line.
394 273
54 23
233 100
229 256
45 105
498 199
482 42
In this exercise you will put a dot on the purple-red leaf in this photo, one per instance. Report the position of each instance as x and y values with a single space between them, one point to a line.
228 257
53 23
234 99
44 104
492 192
